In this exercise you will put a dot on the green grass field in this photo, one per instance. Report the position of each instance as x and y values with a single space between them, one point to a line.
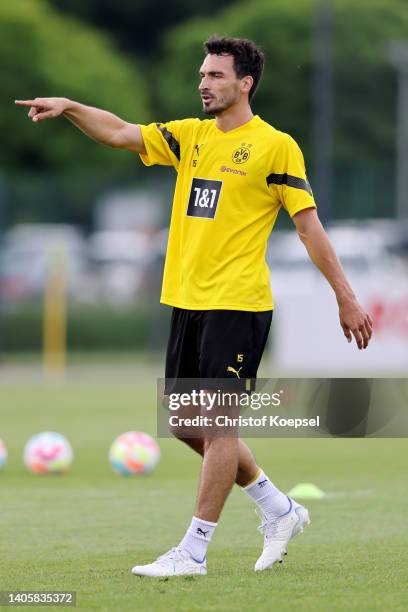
84 531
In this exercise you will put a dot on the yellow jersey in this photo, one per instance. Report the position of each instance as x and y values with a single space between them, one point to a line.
230 187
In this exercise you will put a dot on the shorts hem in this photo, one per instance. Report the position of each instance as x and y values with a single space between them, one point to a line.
243 307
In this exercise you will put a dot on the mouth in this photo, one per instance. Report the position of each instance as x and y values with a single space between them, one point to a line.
206 98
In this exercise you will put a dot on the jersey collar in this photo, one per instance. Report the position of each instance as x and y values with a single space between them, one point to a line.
248 125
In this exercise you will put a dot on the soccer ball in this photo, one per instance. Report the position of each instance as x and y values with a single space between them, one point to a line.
48 453
3 454
134 452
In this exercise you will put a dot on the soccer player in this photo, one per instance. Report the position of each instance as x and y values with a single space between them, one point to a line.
234 173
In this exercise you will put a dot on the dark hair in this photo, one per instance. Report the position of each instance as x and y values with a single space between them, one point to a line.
248 59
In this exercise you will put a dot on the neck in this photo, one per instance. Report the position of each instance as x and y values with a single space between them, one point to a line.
233 117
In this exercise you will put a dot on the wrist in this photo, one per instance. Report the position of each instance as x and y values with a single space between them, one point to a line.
69 105
345 297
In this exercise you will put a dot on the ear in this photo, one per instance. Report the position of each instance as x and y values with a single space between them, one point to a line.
246 84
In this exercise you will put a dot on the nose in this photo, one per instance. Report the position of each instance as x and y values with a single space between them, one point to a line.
203 84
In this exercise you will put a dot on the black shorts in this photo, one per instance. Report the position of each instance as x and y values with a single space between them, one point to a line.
215 344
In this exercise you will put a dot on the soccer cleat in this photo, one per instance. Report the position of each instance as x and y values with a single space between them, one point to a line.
278 532
175 562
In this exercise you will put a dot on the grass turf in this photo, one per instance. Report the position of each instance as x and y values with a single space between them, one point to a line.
85 530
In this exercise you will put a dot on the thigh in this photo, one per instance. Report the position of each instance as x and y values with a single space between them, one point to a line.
231 342
182 358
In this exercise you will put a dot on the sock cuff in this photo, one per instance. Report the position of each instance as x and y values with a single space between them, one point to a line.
195 518
251 482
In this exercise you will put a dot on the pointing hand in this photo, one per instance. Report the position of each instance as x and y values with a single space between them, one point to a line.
44 108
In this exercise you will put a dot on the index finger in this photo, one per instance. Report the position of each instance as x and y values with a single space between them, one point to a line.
26 103
368 327
358 336
365 334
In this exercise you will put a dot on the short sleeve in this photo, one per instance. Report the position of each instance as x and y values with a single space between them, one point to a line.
162 144
288 179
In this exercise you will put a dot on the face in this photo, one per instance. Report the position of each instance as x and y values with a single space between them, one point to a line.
220 88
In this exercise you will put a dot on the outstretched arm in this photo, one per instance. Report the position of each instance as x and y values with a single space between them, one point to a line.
353 318
102 126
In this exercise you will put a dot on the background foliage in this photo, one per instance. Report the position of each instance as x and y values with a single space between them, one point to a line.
45 54
364 79
140 60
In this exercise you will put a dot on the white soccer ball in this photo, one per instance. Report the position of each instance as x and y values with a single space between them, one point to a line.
134 452
3 454
48 453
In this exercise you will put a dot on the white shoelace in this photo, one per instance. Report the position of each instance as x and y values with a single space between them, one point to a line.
270 527
174 554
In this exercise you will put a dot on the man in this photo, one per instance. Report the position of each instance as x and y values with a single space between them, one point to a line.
234 174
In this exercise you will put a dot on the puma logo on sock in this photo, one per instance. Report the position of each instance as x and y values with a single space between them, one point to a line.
201 532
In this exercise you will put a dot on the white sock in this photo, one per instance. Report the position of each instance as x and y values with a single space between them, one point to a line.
197 538
268 498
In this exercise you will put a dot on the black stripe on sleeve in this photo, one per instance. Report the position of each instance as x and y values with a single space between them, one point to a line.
174 146
291 181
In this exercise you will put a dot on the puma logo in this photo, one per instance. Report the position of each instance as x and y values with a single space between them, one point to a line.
201 532
262 483
231 369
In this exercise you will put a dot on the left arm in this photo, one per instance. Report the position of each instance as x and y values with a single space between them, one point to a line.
353 318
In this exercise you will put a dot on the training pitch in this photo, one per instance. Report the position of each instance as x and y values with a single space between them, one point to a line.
84 531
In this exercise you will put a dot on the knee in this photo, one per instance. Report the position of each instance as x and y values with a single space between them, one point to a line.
230 442
177 432
197 444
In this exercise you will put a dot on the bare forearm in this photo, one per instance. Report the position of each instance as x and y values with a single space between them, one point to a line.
98 124
353 318
324 257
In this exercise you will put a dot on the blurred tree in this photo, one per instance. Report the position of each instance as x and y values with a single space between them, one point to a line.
364 79
138 25
44 54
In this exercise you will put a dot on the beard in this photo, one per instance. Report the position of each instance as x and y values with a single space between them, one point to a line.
216 107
